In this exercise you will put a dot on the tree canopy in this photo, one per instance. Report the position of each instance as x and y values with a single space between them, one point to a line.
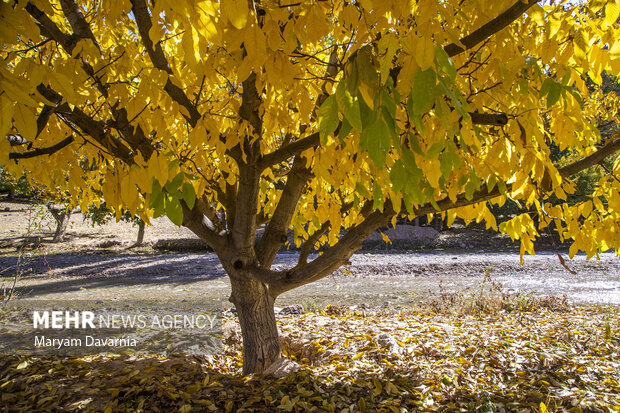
328 118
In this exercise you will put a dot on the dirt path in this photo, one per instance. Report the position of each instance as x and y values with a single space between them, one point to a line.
375 279
94 263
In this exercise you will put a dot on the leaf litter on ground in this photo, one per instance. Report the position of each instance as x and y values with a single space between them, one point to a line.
394 360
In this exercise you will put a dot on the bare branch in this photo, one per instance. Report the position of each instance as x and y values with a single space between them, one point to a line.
43 151
334 257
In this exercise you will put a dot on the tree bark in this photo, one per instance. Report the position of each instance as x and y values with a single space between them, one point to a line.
261 342
140 238
61 216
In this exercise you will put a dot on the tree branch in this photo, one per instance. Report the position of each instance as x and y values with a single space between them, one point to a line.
492 119
333 258
593 159
250 102
246 209
51 30
340 252
43 151
89 126
490 28
80 26
306 249
135 137
276 232
292 149
156 54
195 220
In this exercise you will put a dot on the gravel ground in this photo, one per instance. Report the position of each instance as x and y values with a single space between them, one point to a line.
82 268
371 278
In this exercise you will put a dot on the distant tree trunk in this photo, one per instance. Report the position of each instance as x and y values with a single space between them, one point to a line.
61 216
140 238
261 342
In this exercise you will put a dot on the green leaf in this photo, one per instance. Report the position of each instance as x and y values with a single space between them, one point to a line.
375 139
174 210
408 159
345 129
445 63
434 150
349 106
328 118
157 203
398 176
457 101
172 186
415 144
361 189
391 124
377 196
554 93
445 164
369 116
155 188
189 195
423 93
576 95
546 87
353 78
156 200
388 102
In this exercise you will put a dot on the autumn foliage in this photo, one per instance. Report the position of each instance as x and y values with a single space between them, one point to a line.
327 118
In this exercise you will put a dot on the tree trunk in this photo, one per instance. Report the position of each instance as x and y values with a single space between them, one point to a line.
62 221
261 342
140 238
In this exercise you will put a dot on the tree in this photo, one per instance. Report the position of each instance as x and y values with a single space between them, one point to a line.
101 215
330 118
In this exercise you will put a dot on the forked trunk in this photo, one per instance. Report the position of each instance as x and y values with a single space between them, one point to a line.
261 343
62 222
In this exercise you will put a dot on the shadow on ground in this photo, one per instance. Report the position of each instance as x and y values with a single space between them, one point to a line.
67 272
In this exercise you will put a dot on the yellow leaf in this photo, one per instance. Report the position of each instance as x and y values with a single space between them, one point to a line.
386 239
25 122
361 403
424 52
378 387
6 114
612 11
236 11
22 365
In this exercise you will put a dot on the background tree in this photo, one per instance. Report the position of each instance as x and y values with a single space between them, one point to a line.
329 118
100 215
